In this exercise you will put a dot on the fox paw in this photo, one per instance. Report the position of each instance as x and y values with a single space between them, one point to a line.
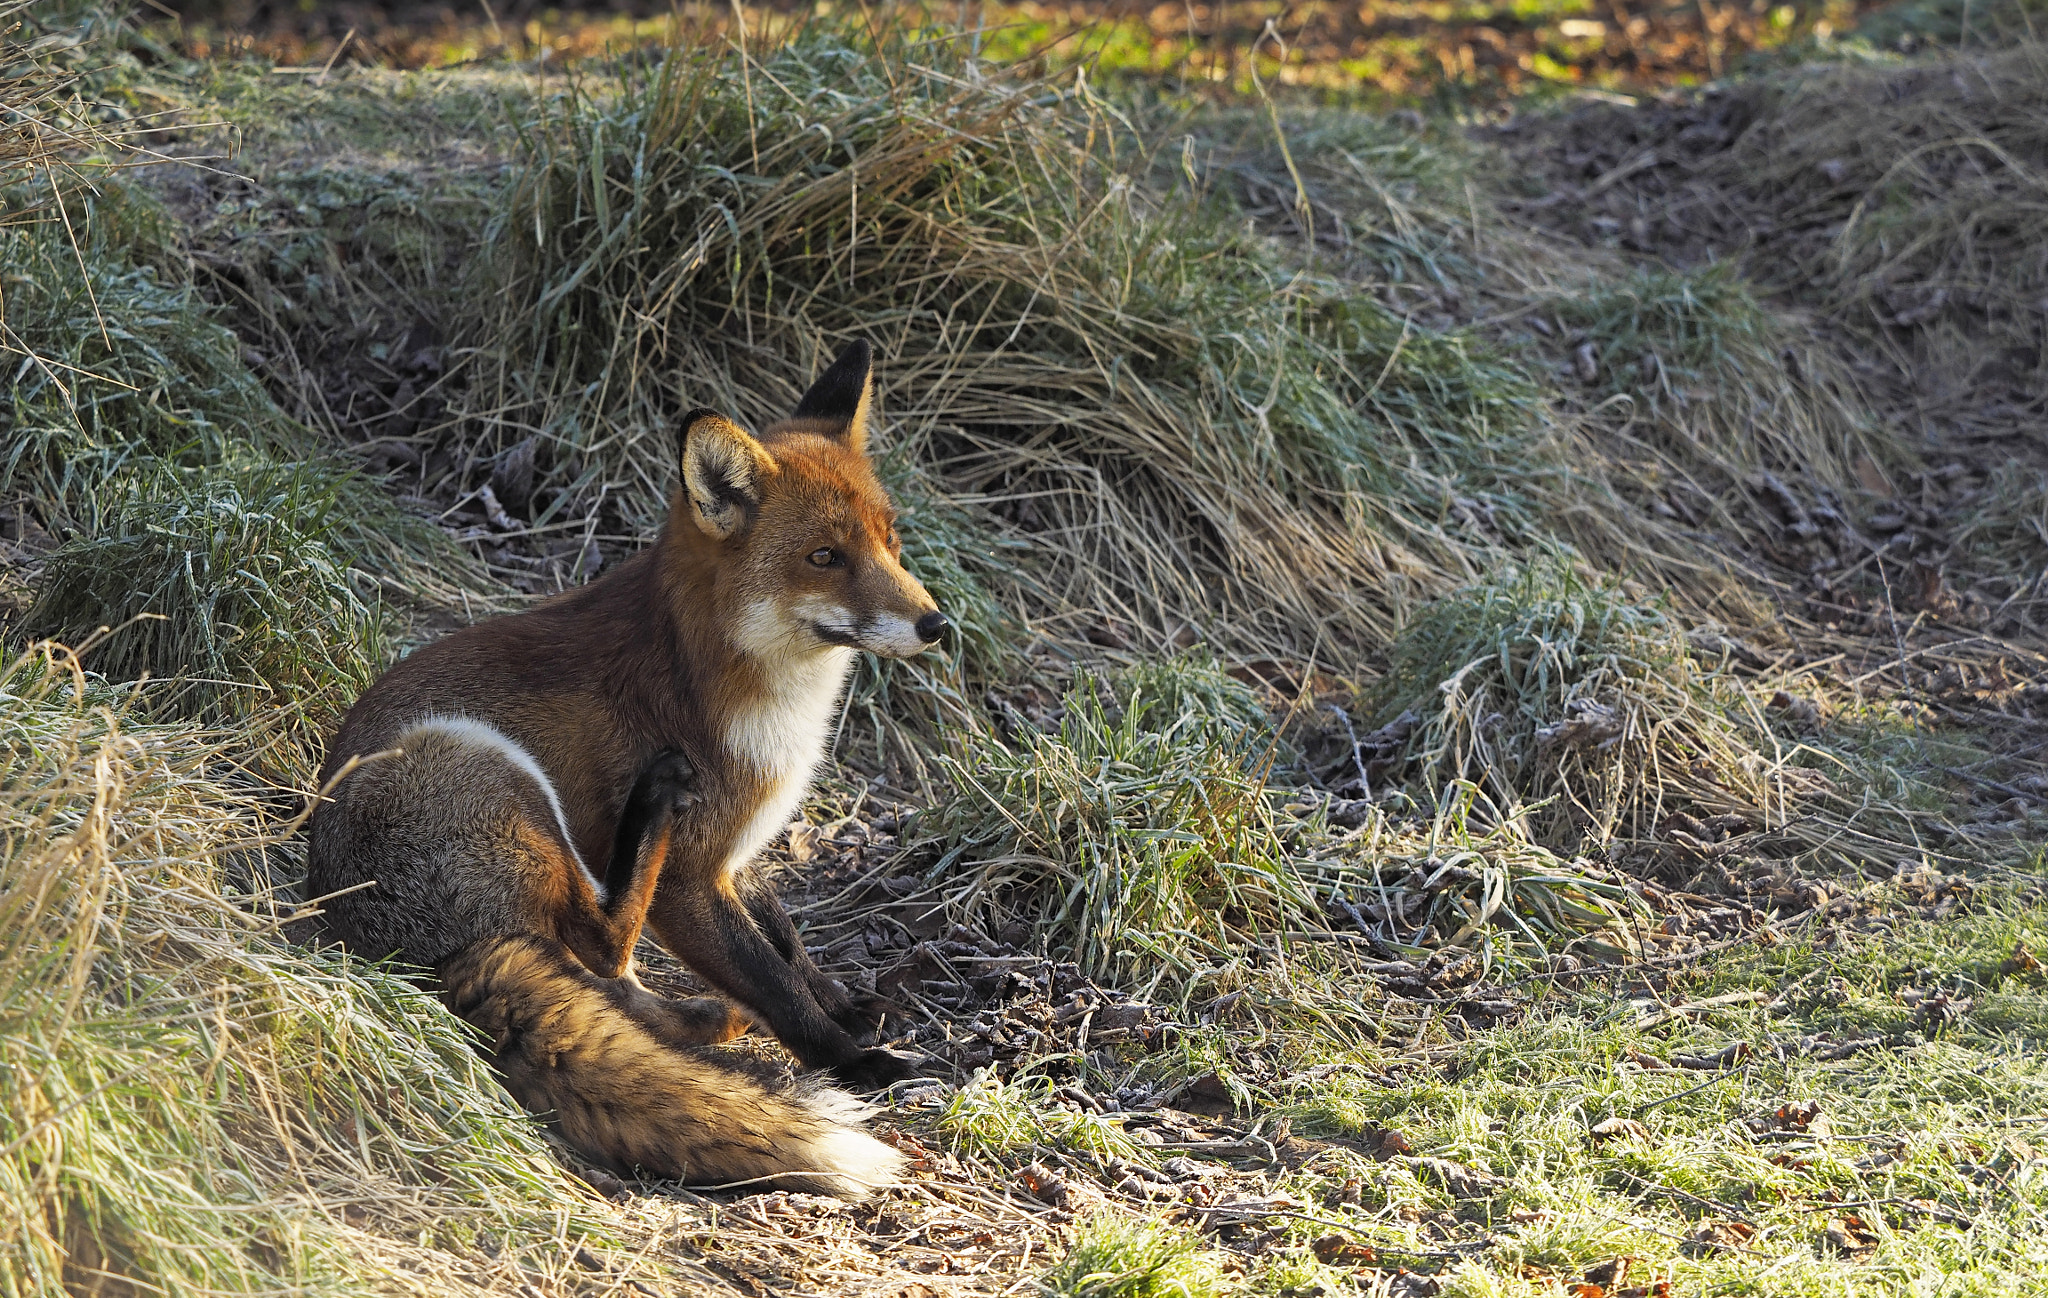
861 1013
668 783
871 1070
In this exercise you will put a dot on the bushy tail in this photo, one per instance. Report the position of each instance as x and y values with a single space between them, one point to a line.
565 1046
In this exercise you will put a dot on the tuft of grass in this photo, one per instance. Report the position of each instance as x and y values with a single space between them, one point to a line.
222 582
1552 694
1924 1131
135 434
1144 838
1717 381
1138 835
988 1115
1919 192
1114 1258
1179 426
115 357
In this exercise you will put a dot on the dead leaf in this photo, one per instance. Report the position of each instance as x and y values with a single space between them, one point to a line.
1043 1184
1338 1249
1849 1233
1801 1115
1618 1128
1384 1143
1717 1236
1587 723
803 841
1612 1272
2022 962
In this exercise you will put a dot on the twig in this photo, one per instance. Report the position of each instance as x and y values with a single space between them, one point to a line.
1696 1007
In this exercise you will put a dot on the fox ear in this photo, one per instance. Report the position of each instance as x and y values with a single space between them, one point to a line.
843 394
722 473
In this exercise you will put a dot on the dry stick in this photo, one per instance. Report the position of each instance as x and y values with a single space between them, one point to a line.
1715 1080
321 78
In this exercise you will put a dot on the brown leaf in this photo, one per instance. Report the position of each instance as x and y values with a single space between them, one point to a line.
1384 1143
803 841
1336 1248
1043 1185
1619 1128
1612 1272
1716 1236
1849 1232
1799 1115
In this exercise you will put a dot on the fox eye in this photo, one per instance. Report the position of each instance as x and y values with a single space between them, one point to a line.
824 557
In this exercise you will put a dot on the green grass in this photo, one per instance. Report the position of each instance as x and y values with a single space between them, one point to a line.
991 1116
224 584
1929 1133
1138 836
1567 699
1718 379
226 542
1118 1259
703 232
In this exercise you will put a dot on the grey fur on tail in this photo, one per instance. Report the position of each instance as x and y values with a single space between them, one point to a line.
567 1045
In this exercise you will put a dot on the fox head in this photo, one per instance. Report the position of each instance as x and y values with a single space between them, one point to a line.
806 536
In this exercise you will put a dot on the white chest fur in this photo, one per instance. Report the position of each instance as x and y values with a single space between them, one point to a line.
782 737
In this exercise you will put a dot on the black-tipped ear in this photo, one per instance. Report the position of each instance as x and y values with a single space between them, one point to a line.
843 393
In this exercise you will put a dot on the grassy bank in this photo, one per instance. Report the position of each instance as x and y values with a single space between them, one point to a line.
1495 745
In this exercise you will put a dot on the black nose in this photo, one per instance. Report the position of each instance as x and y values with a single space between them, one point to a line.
931 626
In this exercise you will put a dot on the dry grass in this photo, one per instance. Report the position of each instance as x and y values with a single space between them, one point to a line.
1254 454
182 1087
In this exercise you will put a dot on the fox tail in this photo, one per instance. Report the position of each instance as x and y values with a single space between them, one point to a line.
566 1047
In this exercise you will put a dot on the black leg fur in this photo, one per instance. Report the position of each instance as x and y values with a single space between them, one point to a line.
858 1015
667 785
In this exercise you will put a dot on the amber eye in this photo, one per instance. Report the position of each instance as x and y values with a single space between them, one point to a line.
824 557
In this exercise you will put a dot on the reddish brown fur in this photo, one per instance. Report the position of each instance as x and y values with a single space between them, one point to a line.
597 680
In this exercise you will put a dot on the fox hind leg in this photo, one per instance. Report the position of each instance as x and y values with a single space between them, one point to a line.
602 934
691 1021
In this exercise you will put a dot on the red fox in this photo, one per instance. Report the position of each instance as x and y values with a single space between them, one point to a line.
618 754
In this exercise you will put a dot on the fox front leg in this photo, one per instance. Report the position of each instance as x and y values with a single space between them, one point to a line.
705 923
857 1014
